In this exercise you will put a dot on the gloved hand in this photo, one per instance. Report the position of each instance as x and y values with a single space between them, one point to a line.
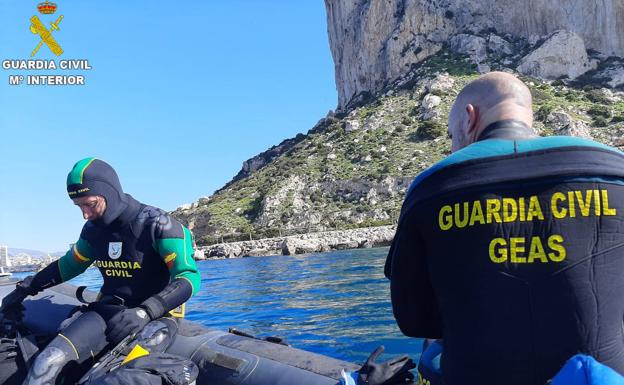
125 323
395 371
12 304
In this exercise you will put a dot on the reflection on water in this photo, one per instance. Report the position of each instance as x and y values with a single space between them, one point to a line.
334 303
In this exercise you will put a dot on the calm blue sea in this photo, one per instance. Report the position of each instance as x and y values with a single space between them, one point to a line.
335 303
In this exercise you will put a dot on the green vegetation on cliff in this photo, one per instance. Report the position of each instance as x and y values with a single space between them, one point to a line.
352 169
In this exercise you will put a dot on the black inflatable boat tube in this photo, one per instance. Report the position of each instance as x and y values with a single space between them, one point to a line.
223 358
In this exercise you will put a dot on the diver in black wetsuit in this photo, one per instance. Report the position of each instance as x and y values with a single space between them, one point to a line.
512 248
144 256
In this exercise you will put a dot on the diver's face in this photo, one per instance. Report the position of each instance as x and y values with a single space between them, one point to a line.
92 207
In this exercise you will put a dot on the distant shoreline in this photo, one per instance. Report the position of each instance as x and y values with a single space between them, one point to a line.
317 242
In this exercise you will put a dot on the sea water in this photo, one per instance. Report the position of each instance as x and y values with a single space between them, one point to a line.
335 303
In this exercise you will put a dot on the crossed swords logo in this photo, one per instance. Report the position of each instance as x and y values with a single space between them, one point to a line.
38 28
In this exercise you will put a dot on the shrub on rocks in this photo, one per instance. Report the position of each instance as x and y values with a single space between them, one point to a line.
599 112
617 119
542 113
430 129
600 121
597 96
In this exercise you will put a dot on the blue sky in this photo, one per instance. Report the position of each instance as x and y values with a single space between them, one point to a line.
180 94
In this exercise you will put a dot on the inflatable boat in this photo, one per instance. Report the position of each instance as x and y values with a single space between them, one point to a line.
223 358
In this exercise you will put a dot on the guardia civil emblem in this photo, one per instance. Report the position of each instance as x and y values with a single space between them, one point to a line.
114 249
38 28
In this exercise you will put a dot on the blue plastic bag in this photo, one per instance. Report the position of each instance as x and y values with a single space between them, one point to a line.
585 370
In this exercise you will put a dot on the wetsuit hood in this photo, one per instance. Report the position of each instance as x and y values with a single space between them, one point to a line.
90 177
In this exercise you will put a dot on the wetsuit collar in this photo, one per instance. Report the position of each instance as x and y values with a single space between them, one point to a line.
510 129
129 213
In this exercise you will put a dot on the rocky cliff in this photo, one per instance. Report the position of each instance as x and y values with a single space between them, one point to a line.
374 42
352 169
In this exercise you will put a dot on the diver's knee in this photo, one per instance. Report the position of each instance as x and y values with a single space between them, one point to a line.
50 362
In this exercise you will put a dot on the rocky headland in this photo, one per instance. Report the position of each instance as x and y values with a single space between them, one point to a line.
399 65
374 42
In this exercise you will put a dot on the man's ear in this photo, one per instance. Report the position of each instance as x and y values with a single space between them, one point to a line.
473 117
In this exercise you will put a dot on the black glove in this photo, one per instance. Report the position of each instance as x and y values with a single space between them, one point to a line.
12 304
395 371
125 323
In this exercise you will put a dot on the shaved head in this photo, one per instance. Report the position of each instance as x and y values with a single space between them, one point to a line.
492 97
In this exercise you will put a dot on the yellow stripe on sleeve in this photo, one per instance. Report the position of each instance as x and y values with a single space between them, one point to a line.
170 257
79 256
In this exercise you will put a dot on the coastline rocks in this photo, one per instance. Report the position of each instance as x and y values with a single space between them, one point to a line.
224 250
292 246
563 54
199 255
303 244
347 245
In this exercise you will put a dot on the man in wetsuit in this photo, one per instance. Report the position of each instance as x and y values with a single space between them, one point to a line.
145 258
512 248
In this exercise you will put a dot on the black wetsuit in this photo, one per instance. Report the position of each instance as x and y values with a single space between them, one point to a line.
146 261
131 253
512 251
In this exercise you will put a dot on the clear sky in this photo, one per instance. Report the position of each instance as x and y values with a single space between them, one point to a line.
180 94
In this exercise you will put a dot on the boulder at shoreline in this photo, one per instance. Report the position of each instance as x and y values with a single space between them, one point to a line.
303 244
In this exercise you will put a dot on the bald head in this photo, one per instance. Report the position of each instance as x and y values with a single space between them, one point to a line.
493 97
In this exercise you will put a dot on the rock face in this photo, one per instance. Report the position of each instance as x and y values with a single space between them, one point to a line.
471 45
562 54
613 73
498 45
290 193
262 159
616 76
374 41
565 125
